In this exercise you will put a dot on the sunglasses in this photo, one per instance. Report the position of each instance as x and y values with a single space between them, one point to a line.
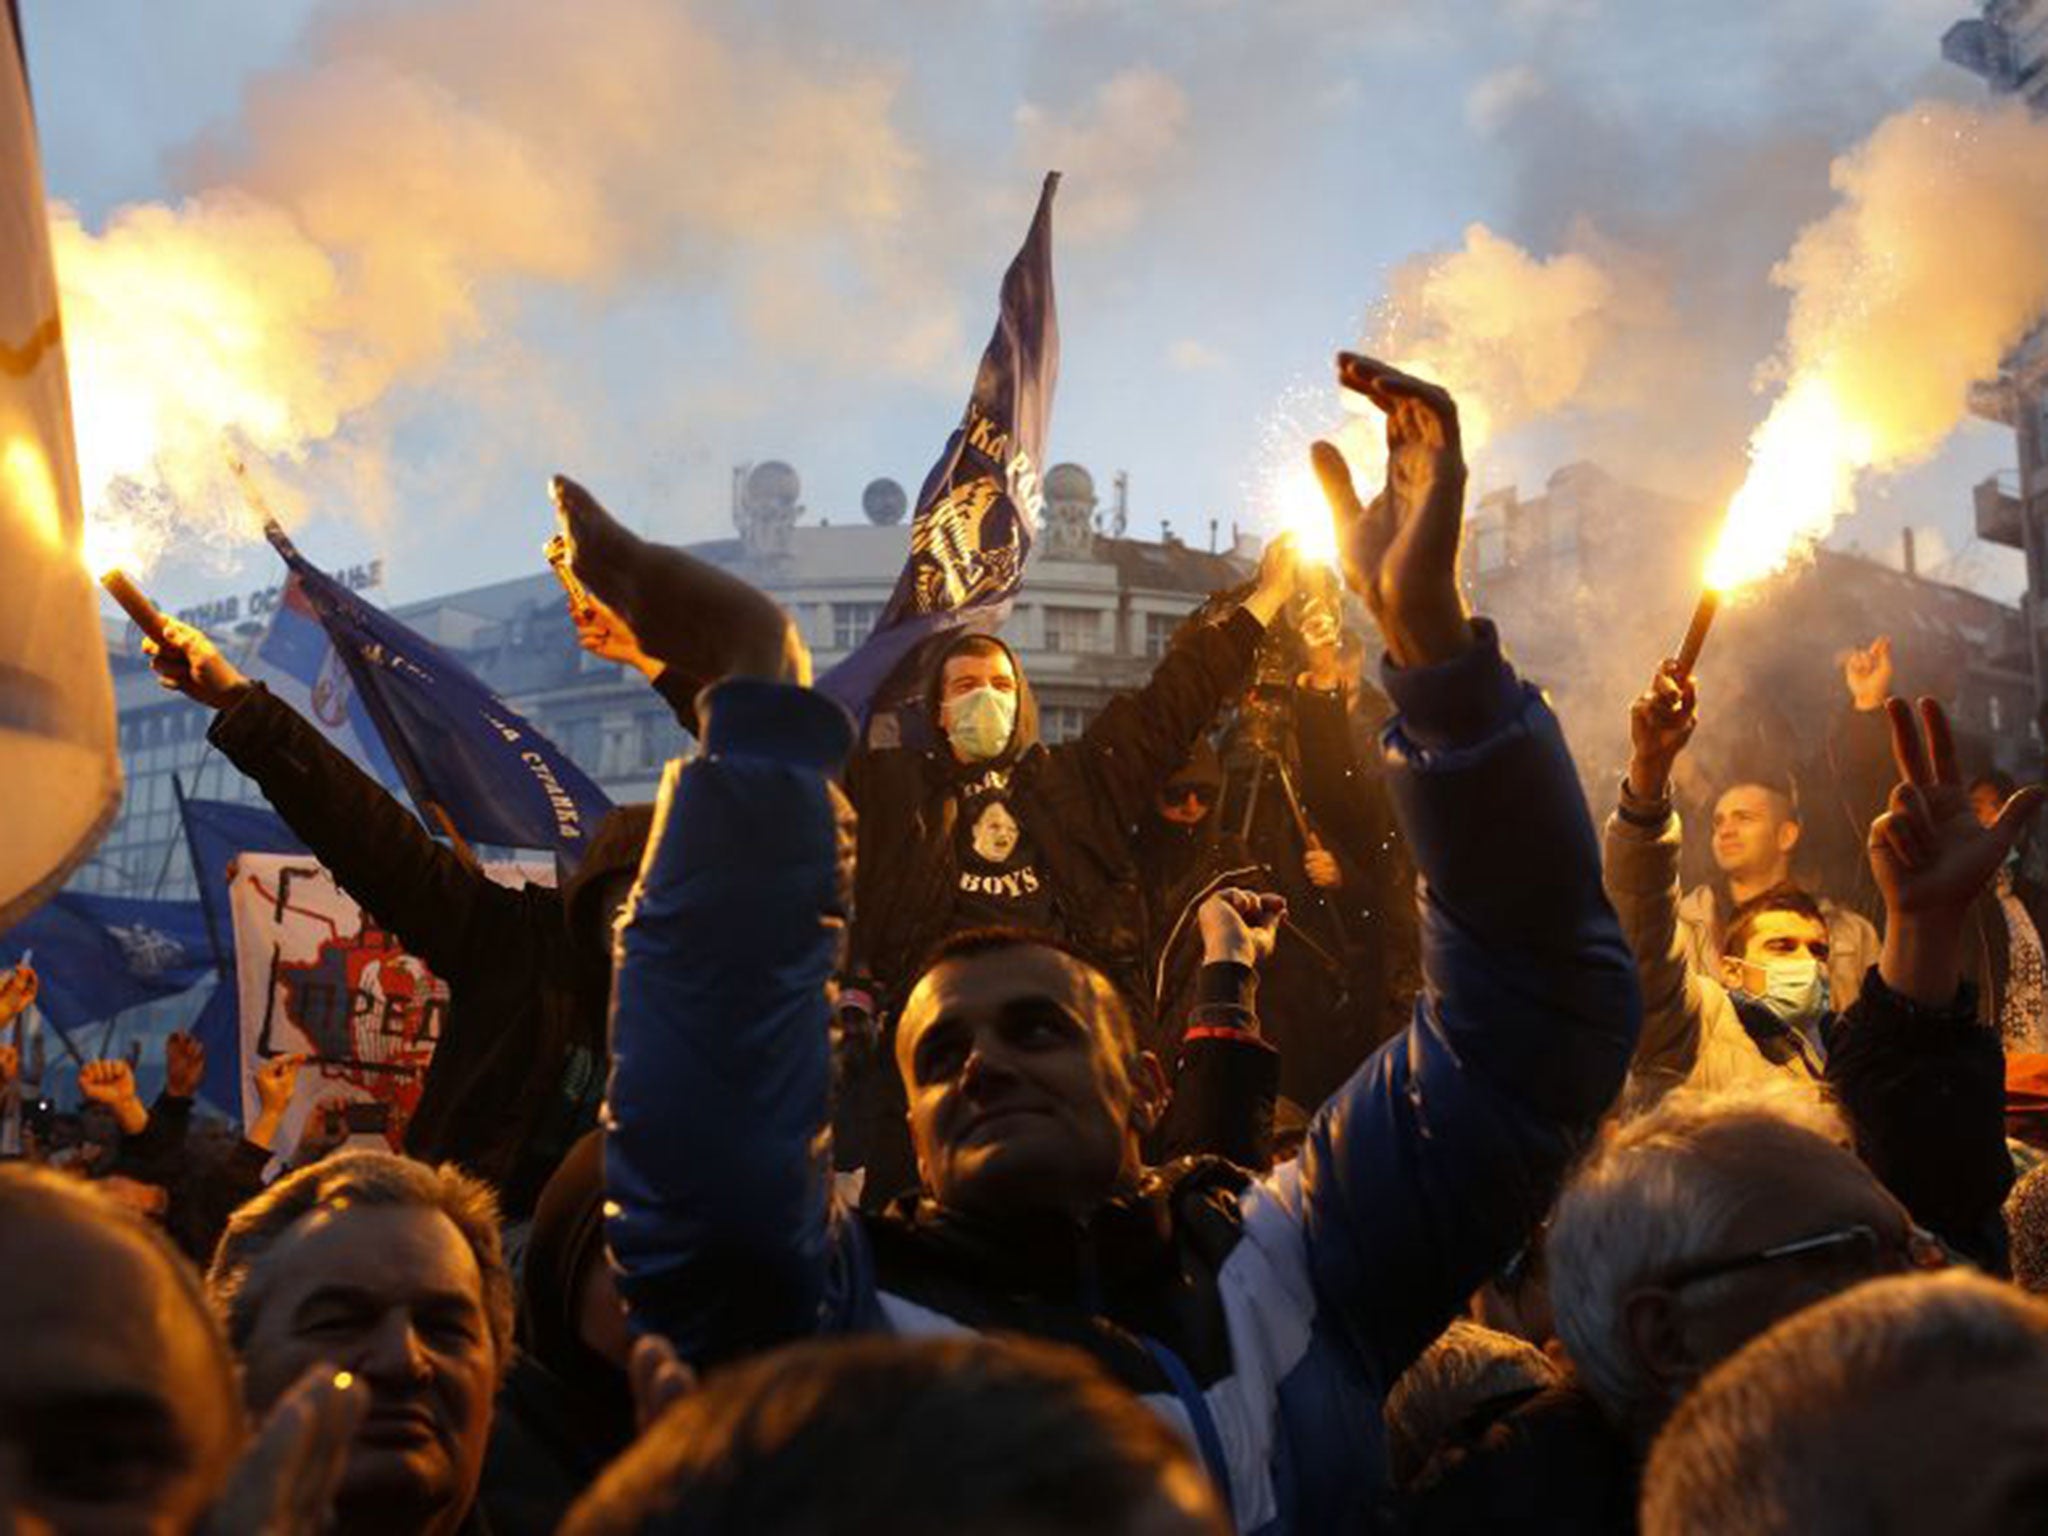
1876 1251
1174 794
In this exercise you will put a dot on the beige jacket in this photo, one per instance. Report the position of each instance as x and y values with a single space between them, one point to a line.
1853 943
1691 1032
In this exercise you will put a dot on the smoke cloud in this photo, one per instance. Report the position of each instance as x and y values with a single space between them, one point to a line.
388 202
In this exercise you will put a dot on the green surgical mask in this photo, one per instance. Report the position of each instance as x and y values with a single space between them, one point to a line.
979 723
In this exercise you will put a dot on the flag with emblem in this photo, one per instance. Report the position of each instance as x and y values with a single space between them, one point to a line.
96 956
971 533
56 695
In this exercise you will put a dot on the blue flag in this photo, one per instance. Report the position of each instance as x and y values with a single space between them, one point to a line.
972 531
302 665
98 955
470 762
215 832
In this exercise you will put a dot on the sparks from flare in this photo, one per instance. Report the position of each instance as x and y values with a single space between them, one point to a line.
1284 494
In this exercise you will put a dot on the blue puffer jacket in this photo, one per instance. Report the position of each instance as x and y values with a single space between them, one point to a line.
1267 1317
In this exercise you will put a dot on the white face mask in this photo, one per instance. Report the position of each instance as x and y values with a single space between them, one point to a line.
1795 988
979 723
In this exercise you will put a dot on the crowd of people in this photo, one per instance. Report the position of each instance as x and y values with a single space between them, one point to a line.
1281 1109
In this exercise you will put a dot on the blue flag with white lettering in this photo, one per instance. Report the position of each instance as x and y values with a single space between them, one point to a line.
975 515
97 955
462 753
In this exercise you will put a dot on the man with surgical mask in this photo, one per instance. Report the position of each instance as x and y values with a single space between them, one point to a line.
1763 1007
992 827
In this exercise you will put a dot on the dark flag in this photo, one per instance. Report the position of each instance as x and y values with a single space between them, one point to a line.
98 955
56 697
972 531
473 765
216 832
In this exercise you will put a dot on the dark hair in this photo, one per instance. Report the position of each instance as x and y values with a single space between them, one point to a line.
995 938
897 1436
1783 898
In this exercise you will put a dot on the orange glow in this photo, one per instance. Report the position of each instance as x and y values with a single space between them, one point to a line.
1803 465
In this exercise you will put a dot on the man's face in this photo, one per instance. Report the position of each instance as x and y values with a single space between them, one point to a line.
1185 804
117 1408
1778 936
392 1293
1753 837
1824 1192
963 674
1019 1092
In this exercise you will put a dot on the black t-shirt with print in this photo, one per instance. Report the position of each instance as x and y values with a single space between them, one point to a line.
1001 881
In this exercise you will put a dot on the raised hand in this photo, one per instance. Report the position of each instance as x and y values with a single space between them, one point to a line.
686 612
602 631
1240 926
276 1080
17 991
190 663
1660 724
1279 575
184 1064
112 1083
1867 674
1930 856
285 1482
10 1066
1401 552
107 1082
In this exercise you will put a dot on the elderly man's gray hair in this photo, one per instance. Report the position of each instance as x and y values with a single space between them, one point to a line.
1660 1192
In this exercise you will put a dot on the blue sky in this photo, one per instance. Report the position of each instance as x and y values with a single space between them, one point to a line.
795 254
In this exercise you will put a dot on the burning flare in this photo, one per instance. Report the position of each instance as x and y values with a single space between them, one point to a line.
1803 463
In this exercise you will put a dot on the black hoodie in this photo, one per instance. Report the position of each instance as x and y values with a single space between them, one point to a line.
1077 804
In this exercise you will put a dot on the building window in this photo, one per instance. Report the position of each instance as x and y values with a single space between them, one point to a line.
1072 630
852 623
1159 628
1062 722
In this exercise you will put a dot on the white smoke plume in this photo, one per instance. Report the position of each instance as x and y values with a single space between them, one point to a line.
381 205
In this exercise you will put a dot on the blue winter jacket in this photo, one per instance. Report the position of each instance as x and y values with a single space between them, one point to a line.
1267 1317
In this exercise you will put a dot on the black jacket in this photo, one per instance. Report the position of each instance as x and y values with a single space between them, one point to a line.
519 1068
1077 802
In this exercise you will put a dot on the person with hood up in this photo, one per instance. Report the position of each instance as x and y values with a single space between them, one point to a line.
991 827
988 826
519 1069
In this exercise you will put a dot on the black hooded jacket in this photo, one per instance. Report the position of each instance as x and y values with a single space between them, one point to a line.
519 1068
1077 802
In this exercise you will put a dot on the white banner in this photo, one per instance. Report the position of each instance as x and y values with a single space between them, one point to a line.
318 977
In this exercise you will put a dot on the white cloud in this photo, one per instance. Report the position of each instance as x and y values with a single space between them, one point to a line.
1190 355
